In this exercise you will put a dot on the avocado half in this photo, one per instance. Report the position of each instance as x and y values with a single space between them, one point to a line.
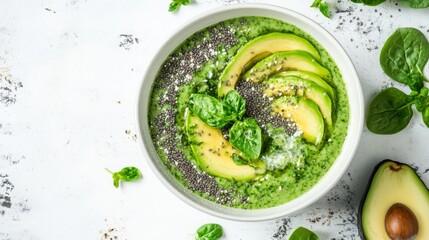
395 204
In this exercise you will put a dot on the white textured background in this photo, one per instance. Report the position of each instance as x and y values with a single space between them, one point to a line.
69 72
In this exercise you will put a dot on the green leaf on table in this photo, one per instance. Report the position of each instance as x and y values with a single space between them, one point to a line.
175 4
389 112
302 233
322 6
425 115
404 56
210 231
127 174
416 3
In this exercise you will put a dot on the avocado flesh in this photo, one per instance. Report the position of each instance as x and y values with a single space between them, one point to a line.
393 182
258 49
310 77
213 152
290 85
285 61
305 113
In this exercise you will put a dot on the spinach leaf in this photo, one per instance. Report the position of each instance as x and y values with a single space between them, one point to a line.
127 174
416 3
175 4
210 110
235 103
425 115
369 2
404 56
322 6
246 136
210 231
238 160
421 99
389 112
302 233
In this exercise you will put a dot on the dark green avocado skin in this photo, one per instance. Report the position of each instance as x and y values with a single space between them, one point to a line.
376 168
362 201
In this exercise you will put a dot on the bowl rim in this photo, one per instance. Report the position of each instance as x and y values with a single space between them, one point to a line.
356 117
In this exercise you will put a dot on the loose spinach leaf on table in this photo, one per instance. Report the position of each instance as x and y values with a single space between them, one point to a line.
389 112
322 6
210 110
210 231
235 103
302 233
246 136
127 174
404 56
416 3
175 4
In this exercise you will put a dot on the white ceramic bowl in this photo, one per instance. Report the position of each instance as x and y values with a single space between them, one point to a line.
326 40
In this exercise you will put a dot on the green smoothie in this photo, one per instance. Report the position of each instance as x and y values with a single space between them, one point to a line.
293 163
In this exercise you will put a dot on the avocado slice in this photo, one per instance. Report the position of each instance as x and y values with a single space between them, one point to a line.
394 186
213 152
283 61
311 77
290 85
257 49
306 115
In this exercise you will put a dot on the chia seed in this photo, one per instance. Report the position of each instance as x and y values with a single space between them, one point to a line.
176 71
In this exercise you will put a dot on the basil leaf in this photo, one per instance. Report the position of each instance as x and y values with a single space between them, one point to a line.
323 7
210 231
372 2
175 4
127 174
210 110
404 56
425 115
238 160
235 103
416 3
302 233
246 136
389 112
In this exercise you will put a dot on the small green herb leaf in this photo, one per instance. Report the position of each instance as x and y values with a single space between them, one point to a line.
127 174
404 56
210 231
389 112
175 4
322 6
302 233
210 110
246 136
235 103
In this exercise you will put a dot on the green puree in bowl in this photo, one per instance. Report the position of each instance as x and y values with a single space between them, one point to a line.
293 164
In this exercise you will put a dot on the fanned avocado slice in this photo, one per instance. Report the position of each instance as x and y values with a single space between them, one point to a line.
213 152
305 113
395 205
311 77
283 61
257 49
290 85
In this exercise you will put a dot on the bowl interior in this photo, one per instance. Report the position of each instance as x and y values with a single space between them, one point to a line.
349 77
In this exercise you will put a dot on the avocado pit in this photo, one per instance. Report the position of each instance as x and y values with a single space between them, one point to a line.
401 223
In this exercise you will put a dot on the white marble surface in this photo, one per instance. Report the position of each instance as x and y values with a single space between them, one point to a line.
69 72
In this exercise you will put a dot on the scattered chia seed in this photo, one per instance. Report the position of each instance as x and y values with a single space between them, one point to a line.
283 229
8 87
258 106
127 41
176 71
6 188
